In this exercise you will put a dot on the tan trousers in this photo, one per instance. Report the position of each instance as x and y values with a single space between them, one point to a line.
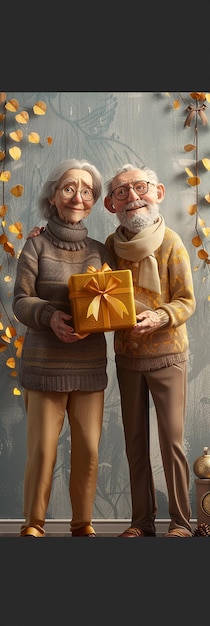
168 389
45 418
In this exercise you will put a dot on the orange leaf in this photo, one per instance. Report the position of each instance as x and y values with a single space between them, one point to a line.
2 155
176 104
196 241
10 362
13 374
12 105
15 153
18 343
192 209
8 247
3 238
202 254
17 135
189 147
34 138
22 117
194 180
49 140
40 108
5 338
2 347
2 116
198 95
17 191
3 96
5 176
3 210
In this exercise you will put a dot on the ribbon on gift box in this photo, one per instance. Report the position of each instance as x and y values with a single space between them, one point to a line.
103 297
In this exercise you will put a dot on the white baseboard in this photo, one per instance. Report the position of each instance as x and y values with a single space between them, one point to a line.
103 527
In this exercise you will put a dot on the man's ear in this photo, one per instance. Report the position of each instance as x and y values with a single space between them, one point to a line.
160 192
109 204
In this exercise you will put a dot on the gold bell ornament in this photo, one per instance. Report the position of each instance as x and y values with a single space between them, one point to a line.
201 466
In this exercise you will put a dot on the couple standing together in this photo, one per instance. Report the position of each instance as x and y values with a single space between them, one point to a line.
63 372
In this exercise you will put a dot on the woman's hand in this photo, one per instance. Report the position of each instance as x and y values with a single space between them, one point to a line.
36 230
60 324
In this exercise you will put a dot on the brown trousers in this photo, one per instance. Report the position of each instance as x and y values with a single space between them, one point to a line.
45 418
168 389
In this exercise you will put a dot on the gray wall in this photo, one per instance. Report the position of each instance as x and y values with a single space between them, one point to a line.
108 129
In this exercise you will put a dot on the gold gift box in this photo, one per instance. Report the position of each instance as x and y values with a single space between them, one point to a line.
102 300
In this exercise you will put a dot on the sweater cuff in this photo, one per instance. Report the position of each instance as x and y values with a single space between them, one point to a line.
163 316
46 314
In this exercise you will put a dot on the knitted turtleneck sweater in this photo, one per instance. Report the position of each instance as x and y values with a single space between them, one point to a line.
44 267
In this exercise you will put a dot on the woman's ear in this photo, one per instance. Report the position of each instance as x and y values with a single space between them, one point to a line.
160 192
109 204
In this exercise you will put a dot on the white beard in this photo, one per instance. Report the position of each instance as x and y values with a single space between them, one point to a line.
137 222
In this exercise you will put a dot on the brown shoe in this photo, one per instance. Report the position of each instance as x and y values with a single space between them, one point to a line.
136 532
32 531
179 532
84 531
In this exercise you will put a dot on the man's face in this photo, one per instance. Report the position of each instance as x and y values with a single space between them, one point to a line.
135 200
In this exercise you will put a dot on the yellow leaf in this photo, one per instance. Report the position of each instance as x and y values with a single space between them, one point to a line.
10 362
201 222
15 228
194 180
206 163
188 171
16 392
196 241
207 197
208 97
189 146
12 105
5 176
7 279
2 155
22 117
16 135
10 331
192 209
176 104
202 254
17 191
5 338
206 231
34 138
40 108
1 326
15 153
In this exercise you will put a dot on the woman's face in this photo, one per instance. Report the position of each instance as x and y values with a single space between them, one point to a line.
74 197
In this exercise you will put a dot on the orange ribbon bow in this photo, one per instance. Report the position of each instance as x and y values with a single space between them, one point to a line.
103 292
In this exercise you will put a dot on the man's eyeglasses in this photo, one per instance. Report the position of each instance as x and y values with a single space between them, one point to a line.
69 191
140 187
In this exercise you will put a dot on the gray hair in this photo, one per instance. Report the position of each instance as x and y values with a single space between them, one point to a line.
50 185
150 175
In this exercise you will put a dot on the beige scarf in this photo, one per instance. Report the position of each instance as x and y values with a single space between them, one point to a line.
141 248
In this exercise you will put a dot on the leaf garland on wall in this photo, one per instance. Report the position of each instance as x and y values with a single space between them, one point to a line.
9 339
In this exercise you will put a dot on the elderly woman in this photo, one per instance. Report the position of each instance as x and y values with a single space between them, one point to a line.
60 371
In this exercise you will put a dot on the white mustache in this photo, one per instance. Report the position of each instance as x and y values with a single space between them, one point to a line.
136 204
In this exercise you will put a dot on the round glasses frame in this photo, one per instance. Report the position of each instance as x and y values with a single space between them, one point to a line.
69 192
140 188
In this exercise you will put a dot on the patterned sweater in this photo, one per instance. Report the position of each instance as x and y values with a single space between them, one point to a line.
44 267
168 344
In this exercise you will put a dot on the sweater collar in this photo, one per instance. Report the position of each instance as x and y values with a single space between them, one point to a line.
66 236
